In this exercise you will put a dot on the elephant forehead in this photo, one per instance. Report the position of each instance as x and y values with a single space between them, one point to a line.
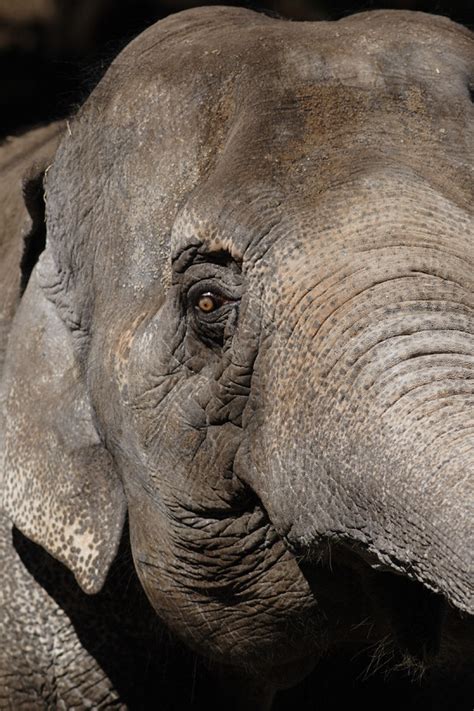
213 119
207 52
362 49
319 164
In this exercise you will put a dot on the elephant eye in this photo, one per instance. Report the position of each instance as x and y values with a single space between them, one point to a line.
208 302
212 307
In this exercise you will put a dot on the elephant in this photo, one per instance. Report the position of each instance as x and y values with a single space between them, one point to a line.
238 349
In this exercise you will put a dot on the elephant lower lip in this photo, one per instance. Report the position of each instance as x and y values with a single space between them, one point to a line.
415 613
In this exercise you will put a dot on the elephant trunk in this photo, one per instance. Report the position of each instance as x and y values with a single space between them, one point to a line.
366 437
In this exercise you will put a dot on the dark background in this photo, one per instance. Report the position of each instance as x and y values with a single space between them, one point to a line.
52 52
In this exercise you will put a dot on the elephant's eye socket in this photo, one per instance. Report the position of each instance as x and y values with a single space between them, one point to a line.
209 302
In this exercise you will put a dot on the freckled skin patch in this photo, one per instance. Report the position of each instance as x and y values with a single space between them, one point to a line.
317 177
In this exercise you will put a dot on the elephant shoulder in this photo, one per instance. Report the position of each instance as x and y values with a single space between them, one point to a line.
23 162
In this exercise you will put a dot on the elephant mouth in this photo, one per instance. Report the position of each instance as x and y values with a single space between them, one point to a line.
416 615
409 618
240 593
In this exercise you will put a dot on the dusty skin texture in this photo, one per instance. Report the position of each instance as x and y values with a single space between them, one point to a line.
251 329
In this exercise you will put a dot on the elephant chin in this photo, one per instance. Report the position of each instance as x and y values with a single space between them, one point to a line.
258 614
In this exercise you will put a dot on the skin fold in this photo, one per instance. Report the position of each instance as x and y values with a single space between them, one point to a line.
242 322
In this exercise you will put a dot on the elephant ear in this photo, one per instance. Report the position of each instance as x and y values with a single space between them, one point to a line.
57 480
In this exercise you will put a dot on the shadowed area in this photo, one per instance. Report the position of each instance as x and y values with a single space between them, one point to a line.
120 630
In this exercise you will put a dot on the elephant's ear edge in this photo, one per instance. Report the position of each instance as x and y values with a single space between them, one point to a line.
58 483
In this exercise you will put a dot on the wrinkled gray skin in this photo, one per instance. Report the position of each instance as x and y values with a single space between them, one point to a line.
296 464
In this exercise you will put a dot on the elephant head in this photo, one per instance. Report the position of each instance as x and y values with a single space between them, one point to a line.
252 329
